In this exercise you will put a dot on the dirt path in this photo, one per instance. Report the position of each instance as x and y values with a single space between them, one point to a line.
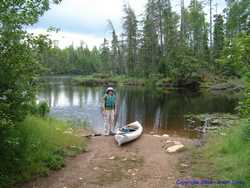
142 163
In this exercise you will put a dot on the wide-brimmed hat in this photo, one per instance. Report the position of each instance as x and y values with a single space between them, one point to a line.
109 89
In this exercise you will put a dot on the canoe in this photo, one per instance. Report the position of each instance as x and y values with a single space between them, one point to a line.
128 133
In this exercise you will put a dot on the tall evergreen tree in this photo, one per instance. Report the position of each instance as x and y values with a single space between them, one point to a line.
150 48
197 28
156 10
130 28
105 57
115 51
154 13
218 36
184 25
237 16
170 31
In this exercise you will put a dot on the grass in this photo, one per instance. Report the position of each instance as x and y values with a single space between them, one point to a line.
35 146
225 157
98 79
153 80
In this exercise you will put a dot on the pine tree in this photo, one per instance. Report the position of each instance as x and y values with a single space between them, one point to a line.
170 31
114 54
184 25
218 36
130 28
197 29
232 16
156 10
105 56
150 48
237 16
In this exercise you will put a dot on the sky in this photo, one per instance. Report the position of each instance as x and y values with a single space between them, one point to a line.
87 20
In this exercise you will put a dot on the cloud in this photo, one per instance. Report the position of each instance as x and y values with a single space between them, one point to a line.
86 16
87 19
65 39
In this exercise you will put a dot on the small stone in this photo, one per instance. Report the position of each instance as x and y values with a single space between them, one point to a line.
130 170
124 159
175 148
96 168
133 174
215 121
184 165
156 135
136 169
152 132
112 158
67 132
80 178
165 135
223 134
169 141
105 170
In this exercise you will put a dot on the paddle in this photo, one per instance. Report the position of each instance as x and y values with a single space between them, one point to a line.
117 110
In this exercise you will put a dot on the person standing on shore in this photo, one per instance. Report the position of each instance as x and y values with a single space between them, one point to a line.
108 111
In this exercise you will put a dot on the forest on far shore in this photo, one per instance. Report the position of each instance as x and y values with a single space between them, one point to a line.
164 44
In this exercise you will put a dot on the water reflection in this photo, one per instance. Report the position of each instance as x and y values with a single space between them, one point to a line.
158 112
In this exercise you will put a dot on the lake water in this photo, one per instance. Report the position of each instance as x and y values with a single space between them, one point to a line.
159 112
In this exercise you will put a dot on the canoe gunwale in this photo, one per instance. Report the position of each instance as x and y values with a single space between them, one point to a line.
122 138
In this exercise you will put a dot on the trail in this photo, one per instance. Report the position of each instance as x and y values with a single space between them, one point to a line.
142 163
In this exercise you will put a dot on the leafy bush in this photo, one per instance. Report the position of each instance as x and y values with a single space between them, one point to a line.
34 146
184 68
222 156
235 60
244 104
43 109
244 108
19 55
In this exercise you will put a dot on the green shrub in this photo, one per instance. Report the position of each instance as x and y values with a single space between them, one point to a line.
54 161
244 108
236 56
244 104
225 157
35 146
102 76
43 109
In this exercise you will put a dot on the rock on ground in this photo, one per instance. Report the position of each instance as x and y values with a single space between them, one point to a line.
175 148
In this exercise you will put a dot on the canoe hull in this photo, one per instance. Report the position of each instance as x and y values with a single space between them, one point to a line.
122 138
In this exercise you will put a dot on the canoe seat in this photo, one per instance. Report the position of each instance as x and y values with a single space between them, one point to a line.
127 129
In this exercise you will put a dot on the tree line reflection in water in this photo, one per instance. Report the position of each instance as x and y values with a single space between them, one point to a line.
157 111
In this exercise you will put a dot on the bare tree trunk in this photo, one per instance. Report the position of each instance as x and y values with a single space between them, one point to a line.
161 27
